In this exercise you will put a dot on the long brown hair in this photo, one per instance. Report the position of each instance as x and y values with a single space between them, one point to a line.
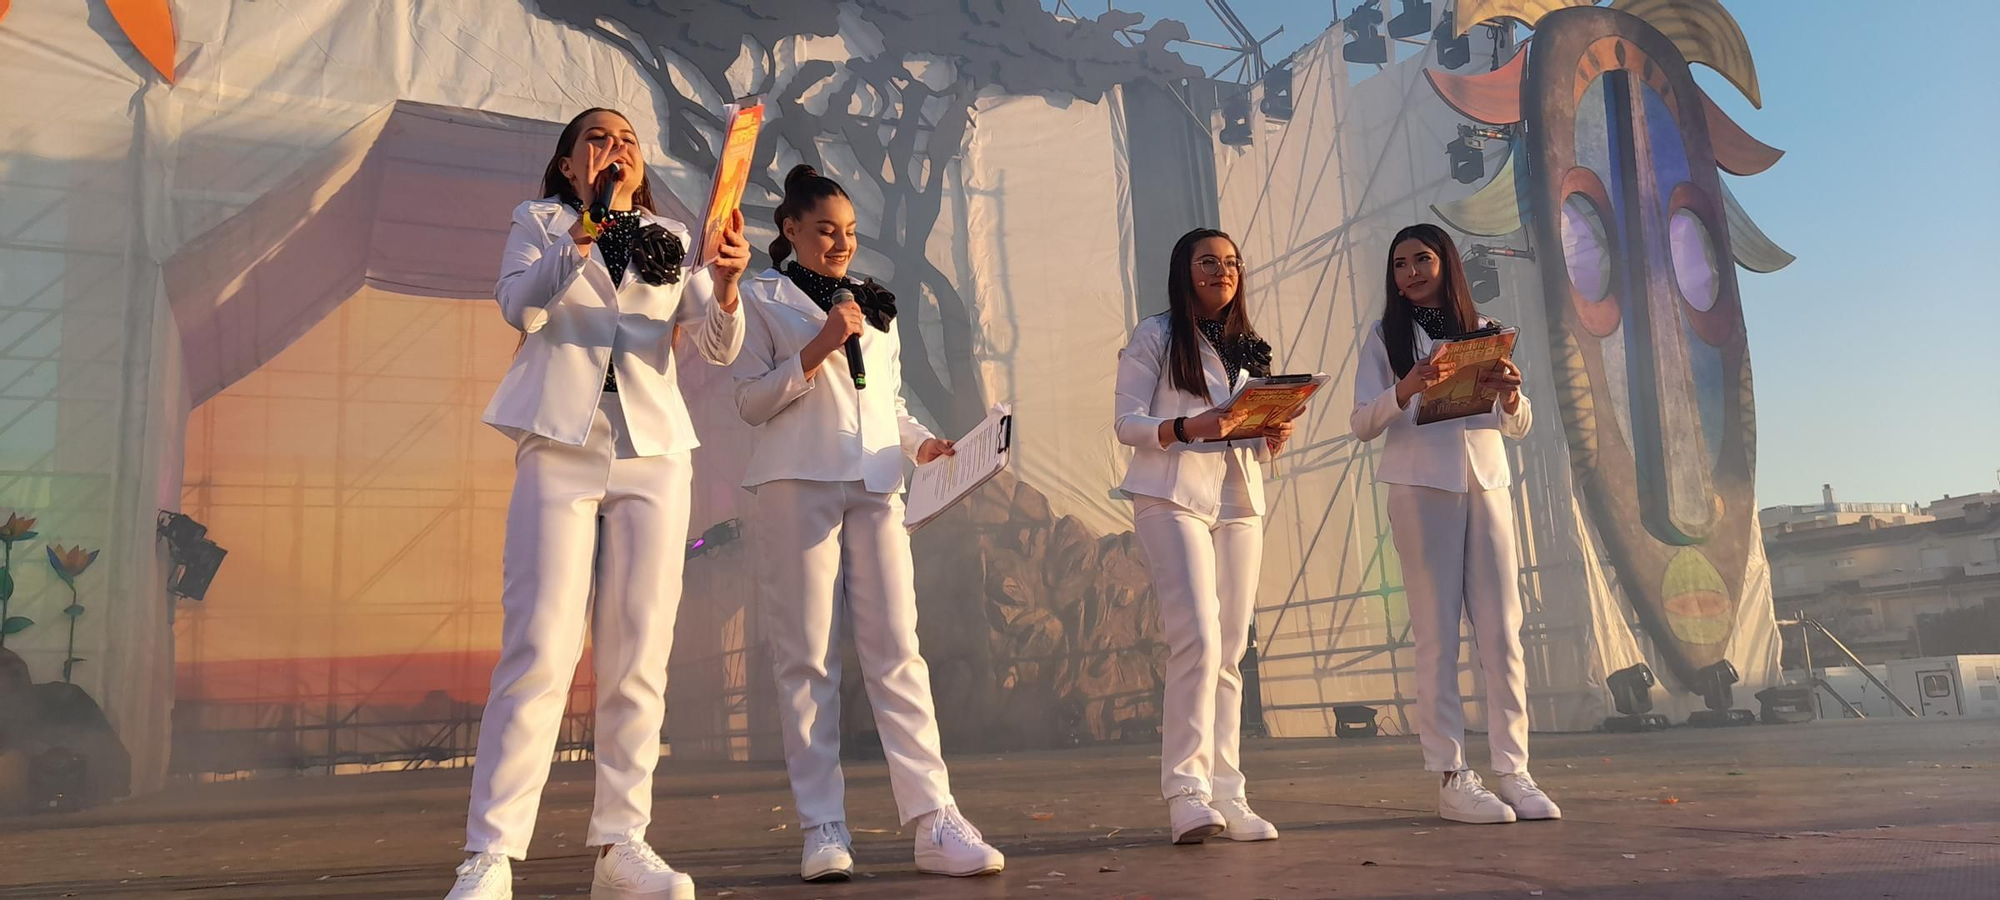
1399 327
805 187
1183 335
556 185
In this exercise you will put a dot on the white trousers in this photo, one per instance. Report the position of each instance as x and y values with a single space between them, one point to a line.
823 543
582 518
1459 559
1205 576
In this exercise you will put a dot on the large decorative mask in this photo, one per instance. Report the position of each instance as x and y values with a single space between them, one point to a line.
1614 176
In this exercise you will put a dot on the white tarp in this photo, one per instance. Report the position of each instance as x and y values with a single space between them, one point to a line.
159 244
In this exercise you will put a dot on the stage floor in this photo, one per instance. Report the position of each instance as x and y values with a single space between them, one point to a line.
1830 810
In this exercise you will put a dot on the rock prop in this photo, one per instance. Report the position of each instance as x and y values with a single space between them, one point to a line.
58 752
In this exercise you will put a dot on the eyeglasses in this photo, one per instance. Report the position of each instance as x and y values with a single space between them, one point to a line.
1209 265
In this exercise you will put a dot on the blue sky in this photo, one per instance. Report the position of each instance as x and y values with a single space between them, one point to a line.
1877 353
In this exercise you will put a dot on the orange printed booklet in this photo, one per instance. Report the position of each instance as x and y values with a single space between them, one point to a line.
1271 400
1463 360
732 173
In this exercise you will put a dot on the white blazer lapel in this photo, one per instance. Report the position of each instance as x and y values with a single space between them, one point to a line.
560 221
791 296
1215 373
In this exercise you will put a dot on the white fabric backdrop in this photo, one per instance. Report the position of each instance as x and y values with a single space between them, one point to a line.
124 194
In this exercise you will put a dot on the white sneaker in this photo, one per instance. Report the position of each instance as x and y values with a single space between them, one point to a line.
1243 823
948 845
1193 819
632 871
484 876
828 855
1520 792
1464 798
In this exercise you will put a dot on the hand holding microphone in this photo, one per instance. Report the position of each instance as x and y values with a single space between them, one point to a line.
606 186
595 195
842 329
849 312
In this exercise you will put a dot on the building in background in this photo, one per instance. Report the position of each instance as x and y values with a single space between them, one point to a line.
1828 512
1892 584
1948 506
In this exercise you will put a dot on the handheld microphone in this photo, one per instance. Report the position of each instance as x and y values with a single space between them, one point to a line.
600 205
854 365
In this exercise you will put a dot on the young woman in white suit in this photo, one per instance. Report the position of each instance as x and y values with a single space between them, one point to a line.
1452 517
1198 507
827 468
599 511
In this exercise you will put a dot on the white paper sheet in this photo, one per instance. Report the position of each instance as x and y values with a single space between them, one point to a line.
980 455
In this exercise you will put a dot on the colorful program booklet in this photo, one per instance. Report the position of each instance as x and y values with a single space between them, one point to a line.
1464 360
1271 400
732 172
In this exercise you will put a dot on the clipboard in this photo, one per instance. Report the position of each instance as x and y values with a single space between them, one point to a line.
1270 400
940 484
1469 355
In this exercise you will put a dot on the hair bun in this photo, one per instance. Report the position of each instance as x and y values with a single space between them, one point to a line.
798 175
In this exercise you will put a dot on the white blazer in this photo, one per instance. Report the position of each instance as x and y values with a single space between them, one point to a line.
1188 475
1454 455
819 428
578 324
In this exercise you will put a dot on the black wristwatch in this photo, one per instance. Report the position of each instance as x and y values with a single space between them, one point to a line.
1180 430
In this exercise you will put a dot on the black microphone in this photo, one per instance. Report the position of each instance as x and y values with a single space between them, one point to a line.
854 366
607 181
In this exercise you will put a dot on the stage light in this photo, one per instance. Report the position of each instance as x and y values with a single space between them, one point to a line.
1454 50
1632 689
1468 156
195 569
195 558
1354 721
1632 694
1236 119
1482 271
717 535
1713 682
1277 103
1365 44
1482 274
1415 19
180 530
1786 704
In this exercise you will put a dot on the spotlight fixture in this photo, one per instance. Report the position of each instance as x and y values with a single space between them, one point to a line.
1453 50
1482 270
1714 683
1632 695
1786 704
1277 103
1415 19
1236 119
1468 151
1365 43
1354 721
1482 274
717 535
195 558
